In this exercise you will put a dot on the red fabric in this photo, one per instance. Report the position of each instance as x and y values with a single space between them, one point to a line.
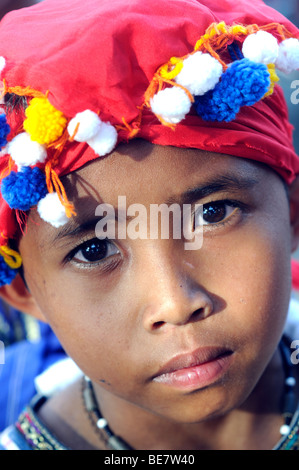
295 274
102 55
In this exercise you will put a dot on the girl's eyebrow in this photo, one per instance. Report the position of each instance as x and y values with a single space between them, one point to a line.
231 183
86 225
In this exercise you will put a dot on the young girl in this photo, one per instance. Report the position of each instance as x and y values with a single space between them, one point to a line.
117 109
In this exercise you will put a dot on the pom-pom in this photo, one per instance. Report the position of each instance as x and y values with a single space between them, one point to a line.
288 56
7 274
105 140
25 152
243 84
2 64
273 79
171 104
200 73
24 189
44 123
4 130
52 210
261 47
84 125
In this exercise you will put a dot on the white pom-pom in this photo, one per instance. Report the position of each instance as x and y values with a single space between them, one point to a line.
52 211
26 152
105 140
3 151
89 125
2 64
200 73
171 104
261 47
288 56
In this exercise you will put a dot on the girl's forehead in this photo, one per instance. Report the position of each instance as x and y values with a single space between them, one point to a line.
140 168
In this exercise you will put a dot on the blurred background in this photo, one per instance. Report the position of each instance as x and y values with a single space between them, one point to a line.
290 9
8 5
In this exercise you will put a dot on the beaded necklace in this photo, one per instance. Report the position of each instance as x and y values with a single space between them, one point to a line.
113 442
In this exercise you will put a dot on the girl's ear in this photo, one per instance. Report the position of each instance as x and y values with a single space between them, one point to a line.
294 212
18 296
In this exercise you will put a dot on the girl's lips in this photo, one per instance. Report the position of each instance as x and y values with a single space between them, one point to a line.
195 370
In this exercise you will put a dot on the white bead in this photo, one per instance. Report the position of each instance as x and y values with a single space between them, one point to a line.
87 123
290 381
200 73
171 104
261 47
101 423
26 152
105 140
2 63
284 430
288 57
52 211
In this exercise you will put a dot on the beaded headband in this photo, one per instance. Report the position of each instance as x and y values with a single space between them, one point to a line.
229 68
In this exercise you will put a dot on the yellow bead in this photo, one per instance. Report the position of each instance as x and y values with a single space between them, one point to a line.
44 123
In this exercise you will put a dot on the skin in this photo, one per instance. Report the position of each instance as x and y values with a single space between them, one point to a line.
123 317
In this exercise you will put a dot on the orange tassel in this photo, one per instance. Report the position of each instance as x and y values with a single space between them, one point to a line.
22 91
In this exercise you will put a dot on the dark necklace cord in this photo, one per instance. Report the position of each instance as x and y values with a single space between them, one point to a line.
111 441
288 405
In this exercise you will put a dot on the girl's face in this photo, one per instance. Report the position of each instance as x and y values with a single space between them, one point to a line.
184 334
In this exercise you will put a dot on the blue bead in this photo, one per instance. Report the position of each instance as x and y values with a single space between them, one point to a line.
24 189
7 274
4 130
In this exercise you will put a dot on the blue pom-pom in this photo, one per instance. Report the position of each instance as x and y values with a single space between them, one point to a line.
24 189
243 84
7 274
4 130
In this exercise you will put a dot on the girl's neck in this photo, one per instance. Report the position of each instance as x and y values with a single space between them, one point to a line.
253 425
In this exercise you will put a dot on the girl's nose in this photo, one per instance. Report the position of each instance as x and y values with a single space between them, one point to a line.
172 296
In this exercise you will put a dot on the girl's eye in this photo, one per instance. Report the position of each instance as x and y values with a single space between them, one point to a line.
94 251
215 213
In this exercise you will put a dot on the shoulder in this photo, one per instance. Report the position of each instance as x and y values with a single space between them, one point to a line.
29 433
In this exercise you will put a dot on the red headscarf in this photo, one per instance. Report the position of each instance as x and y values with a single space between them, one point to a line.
103 55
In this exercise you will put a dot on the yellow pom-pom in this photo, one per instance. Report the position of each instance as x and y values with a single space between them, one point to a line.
44 123
273 79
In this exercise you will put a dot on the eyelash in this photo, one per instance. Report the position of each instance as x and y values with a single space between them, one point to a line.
103 262
242 208
109 264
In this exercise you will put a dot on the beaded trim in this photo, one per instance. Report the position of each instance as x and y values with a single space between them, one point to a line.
37 436
291 441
